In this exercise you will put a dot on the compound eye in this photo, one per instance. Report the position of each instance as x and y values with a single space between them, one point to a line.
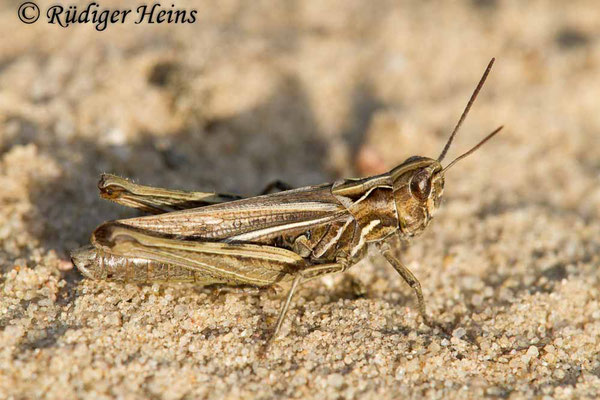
420 185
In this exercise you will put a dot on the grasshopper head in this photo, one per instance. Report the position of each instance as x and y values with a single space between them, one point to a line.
418 186
419 181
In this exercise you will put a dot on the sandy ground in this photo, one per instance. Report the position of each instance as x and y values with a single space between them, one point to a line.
308 91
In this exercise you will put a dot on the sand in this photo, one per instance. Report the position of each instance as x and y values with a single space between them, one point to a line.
308 92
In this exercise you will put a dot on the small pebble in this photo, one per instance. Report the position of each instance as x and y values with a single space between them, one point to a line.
459 333
335 380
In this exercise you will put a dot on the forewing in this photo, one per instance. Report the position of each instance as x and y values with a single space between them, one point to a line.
256 219
216 262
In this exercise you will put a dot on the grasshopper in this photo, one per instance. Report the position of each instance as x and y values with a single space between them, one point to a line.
294 235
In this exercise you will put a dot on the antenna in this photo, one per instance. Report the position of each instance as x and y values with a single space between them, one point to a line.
478 145
467 108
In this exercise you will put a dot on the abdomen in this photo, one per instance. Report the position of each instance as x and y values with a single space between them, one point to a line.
100 265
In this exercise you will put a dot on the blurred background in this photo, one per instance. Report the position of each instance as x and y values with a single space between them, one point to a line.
309 92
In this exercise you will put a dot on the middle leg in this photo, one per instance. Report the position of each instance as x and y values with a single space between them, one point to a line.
307 274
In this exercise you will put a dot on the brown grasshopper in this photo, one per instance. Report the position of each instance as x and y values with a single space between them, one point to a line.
293 235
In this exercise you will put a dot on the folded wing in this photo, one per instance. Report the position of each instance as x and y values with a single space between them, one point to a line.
256 219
